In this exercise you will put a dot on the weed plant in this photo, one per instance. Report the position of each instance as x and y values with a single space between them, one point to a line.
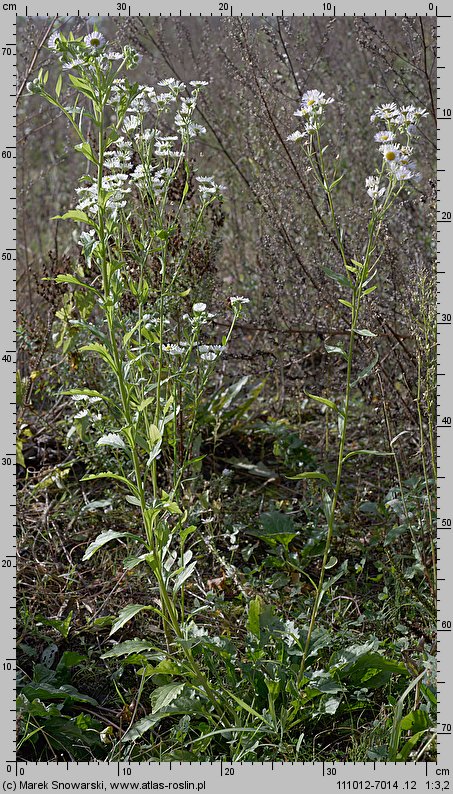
143 205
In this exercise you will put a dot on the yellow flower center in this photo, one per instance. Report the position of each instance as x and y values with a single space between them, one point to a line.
390 155
311 102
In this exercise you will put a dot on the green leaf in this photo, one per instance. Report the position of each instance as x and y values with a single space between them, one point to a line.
62 625
129 647
366 370
154 433
127 614
345 303
367 452
74 215
370 290
58 85
364 332
323 400
276 527
86 393
164 695
44 691
183 575
253 620
415 721
106 537
338 277
336 349
86 150
83 86
310 475
110 475
95 347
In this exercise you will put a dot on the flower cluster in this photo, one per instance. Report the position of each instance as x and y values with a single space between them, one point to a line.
311 110
74 52
397 166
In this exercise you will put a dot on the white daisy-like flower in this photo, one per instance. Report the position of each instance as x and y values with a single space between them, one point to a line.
384 136
387 112
199 308
113 56
172 84
162 101
198 83
94 40
131 123
210 348
52 43
390 152
312 101
405 172
205 179
208 356
174 350
238 299
296 136
373 189
73 64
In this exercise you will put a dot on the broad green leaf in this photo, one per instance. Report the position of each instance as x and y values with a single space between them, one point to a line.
85 393
336 349
95 347
111 440
106 537
130 647
110 475
276 528
144 403
310 475
154 433
364 332
74 215
164 695
410 745
331 562
323 400
183 576
417 720
367 452
45 691
140 727
127 614
253 620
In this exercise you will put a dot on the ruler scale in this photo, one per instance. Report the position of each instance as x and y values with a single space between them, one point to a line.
220 777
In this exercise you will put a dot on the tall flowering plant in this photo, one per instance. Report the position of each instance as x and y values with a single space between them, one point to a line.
395 170
141 208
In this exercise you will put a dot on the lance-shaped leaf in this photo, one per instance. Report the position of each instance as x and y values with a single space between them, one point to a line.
106 537
73 215
110 475
164 695
368 452
67 278
128 613
129 647
311 475
324 401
